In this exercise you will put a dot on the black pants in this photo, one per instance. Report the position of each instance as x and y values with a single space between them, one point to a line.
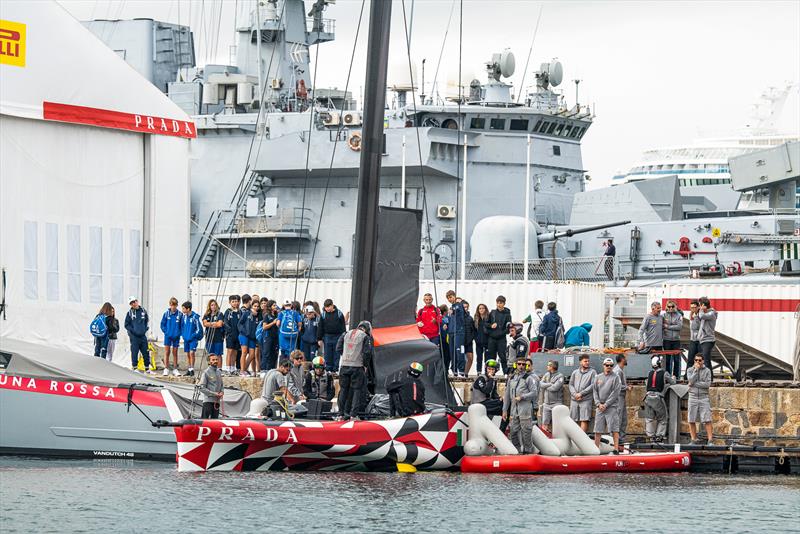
480 354
210 410
352 385
493 407
139 345
706 348
694 349
497 350
672 364
609 267
548 343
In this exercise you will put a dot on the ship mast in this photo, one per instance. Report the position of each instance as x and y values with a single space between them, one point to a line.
369 172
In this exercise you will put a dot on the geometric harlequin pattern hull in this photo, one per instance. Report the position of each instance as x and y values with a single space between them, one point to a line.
428 441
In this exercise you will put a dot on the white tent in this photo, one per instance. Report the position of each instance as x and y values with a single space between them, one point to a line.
94 182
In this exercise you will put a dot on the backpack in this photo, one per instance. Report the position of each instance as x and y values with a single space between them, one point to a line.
560 334
289 323
260 332
98 327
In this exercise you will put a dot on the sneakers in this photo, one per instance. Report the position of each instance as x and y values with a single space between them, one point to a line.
175 372
166 371
149 372
244 374
697 441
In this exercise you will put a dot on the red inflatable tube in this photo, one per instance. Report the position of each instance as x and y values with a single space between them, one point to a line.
538 464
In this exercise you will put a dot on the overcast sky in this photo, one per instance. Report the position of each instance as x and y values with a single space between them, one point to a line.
657 73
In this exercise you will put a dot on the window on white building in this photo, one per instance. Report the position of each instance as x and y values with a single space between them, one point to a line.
31 260
51 256
73 247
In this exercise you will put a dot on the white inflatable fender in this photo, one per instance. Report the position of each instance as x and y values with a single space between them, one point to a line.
565 427
481 427
257 407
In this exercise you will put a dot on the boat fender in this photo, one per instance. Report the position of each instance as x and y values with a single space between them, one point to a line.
564 427
545 445
354 141
476 447
480 426
257 407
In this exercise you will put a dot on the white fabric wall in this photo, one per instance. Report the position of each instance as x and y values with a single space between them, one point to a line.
71 211
577 302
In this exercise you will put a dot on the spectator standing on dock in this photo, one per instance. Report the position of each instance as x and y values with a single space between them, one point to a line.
694 334
619 370
171 328
100 330
655 408
552 329
211 387
706 336
581 383
191 332
269 337
356 348
289 320
518 407
232 346
672 319
484 390
469 338
456 331
481 336
608 256
113 330
444 345
578 336
429 319
330 329
248 326
651 333
699 377
214 325
309 341
137 323
606 400
499 319
552 383
534 320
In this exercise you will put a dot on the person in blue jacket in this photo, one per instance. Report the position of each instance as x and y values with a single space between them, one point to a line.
578 336
289 320
171 328
191 332
308 338
248 324
549 327
137 323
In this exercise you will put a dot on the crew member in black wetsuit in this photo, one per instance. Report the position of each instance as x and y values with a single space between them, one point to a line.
407 392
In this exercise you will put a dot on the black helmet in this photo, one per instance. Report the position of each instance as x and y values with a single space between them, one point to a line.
366 326
515 326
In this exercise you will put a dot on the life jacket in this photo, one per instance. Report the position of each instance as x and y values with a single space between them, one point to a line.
655 380
319 385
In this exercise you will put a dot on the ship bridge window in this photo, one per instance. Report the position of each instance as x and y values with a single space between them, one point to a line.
574 132
543 129
538 126
556 150
583 130
552 127
518 125
497 124
558 129
566 131
450 124
477 123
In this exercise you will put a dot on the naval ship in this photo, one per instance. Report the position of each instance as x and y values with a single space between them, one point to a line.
500 178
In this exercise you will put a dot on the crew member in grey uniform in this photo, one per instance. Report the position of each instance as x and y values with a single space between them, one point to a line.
699 377
706 335
356 348
537 381
694 332
211 387
606 399
580 392
651 333
275 382
552 384
673 324
619 370
518 406
655 409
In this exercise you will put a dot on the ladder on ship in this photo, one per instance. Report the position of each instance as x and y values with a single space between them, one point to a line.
208 246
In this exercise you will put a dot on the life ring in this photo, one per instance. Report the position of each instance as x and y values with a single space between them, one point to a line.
354 141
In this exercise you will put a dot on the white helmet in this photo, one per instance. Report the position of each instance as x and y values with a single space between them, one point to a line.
655 361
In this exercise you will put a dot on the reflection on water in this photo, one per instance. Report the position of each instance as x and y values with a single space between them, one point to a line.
125 496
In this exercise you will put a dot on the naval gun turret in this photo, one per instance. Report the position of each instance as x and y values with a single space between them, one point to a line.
569 232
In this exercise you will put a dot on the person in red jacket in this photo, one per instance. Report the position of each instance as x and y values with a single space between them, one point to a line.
429 318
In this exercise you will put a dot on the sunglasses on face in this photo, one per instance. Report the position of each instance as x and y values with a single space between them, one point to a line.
670 307
607 365
698 359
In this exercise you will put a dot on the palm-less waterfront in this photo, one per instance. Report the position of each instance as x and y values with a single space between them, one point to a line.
120 496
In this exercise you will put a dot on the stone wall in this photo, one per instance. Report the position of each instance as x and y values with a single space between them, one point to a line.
747 414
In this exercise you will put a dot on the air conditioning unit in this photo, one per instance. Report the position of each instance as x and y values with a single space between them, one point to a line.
330 118
276 83
448 234
352 118
445 212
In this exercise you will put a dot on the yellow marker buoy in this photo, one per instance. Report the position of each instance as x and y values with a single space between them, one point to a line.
406 468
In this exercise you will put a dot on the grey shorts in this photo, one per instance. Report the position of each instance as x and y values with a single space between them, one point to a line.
699 410
547 413
580 410
607 421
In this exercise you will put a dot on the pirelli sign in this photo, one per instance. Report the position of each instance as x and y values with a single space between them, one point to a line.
12 43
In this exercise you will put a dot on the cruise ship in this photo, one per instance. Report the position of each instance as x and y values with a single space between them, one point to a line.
704 162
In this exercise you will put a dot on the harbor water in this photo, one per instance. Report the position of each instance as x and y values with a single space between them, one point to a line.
39 495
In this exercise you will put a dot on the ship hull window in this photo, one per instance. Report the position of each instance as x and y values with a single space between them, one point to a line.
477 123
518 125
556 150
497 124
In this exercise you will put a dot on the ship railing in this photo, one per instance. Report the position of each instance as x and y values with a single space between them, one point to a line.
587 269
321 25
295 220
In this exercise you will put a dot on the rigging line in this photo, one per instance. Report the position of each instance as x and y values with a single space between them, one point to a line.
422 179
458 140
219 25
339 129
240 192
441 50
533 39
311 111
